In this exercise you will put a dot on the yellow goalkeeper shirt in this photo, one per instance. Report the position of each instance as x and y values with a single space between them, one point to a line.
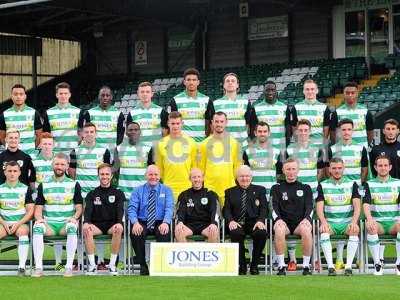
176 157
219 160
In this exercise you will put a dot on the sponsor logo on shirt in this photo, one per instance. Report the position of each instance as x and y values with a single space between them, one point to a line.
285 196
97 201
190 203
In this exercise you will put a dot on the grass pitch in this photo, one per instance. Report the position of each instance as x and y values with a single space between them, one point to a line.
249 287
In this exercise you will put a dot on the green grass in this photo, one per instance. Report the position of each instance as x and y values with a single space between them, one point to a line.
257 287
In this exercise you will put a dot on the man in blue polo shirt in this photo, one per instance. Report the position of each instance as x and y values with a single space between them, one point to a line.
150 213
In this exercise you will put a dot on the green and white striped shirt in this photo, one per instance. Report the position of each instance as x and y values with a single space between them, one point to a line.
235 111
87 161
310 160
315 112
262 162
338 199
106 122
193 111
358 115
149 121
43 167
58 197
383 198
132 166
274 115
354 157
63 123
13 201
24 121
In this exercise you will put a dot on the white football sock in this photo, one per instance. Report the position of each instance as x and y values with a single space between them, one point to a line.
373 245
352 246
326 246
113 259
23 249
38 248
72 242
281 260
398 248
291 245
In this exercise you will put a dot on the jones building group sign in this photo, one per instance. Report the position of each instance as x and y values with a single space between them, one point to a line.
194 259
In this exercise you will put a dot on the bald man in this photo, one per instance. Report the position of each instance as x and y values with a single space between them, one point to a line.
197 211
245 211
150 212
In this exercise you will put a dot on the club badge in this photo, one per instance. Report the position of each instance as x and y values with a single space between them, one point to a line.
257 202
204 201
111 199
299 193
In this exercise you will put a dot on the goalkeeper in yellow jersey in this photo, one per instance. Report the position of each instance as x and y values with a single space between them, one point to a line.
219 157
175 156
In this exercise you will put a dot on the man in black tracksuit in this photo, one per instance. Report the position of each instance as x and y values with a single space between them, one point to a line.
389 147
292 204
103 215
245 211
197 211
28 173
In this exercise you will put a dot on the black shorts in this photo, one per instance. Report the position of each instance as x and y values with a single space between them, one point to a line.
104 226
292 226
197 228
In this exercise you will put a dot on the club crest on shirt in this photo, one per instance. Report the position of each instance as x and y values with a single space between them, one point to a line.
204 201
285 196
190 203
299 193
111 199
398 153
257 202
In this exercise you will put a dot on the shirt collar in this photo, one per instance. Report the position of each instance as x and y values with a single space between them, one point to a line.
149 187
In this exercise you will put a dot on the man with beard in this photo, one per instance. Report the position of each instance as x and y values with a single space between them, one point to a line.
220 156
389 146
57 212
